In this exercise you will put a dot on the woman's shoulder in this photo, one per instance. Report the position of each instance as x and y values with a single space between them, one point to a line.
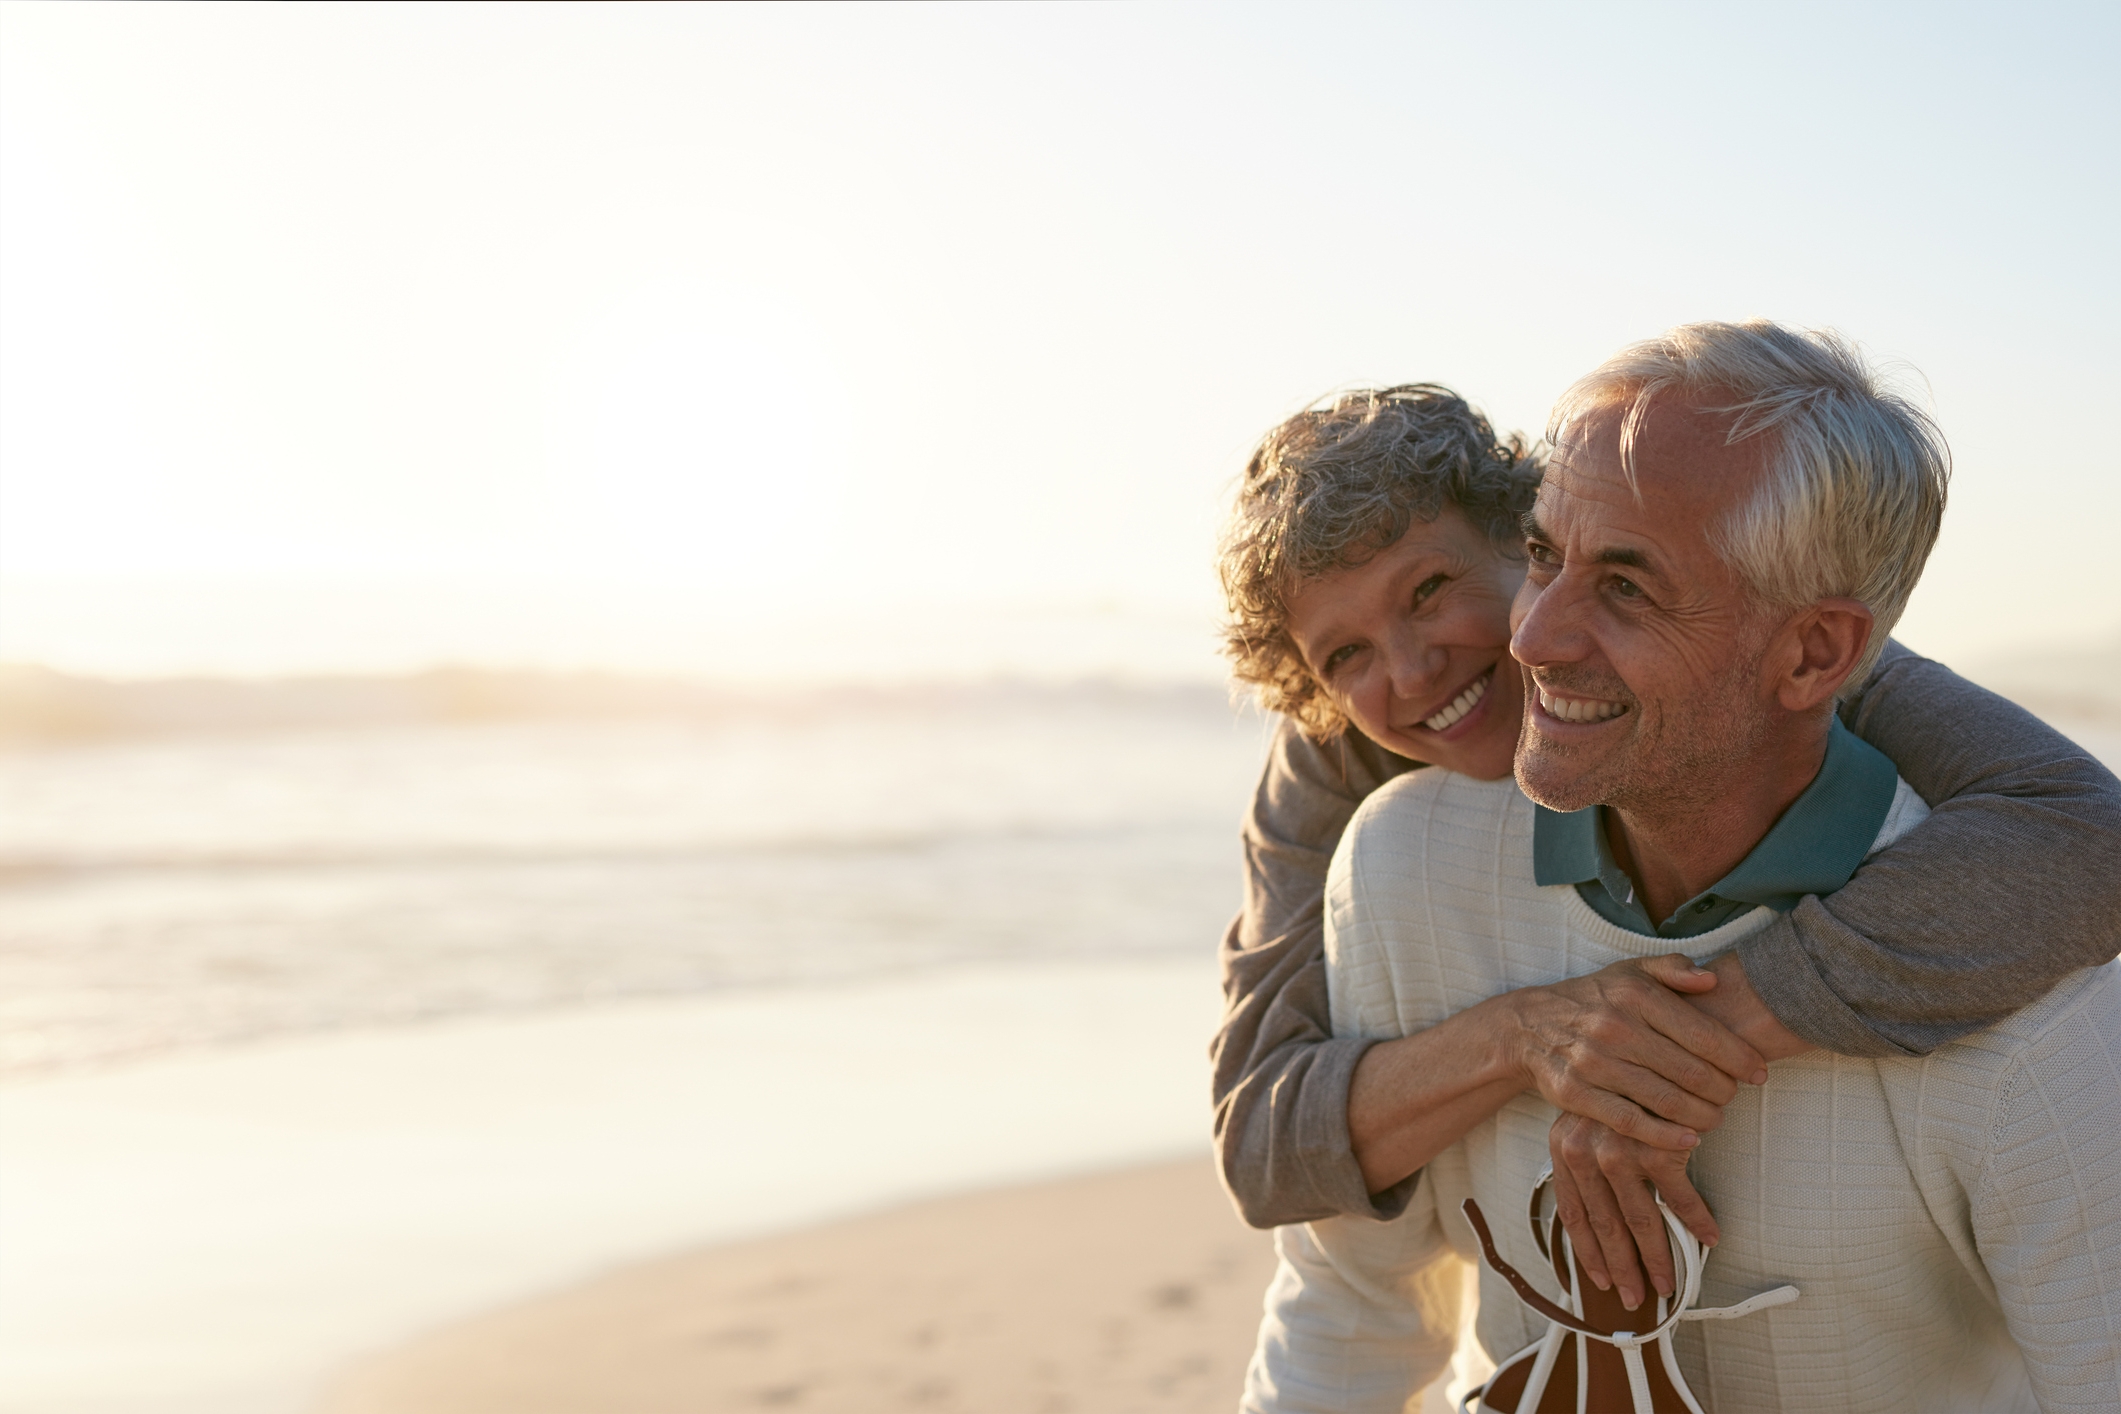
1349 765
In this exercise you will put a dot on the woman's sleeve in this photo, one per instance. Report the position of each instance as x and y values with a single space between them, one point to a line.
1281 1078
2012 883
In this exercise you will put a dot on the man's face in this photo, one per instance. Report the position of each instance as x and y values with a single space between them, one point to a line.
1643 649
1413 644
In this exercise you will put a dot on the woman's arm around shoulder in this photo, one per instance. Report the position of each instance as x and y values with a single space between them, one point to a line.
2011 884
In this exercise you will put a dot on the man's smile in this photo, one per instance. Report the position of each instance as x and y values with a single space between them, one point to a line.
1581 710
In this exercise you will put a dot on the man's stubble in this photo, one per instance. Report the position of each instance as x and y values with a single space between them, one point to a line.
1670 764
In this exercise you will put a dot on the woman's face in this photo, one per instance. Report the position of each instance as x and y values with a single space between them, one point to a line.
1414 644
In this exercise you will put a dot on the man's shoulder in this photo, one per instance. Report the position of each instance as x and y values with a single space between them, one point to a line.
1431 883
1433 822
2030 1107
1436 840
1422 802
2077 1022
2086 1003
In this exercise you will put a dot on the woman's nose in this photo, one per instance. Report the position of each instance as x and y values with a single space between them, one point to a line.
1412 665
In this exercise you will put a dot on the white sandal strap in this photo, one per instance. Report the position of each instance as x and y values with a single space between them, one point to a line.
1778 1296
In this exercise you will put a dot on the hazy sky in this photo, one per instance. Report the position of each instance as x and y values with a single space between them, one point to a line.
347 336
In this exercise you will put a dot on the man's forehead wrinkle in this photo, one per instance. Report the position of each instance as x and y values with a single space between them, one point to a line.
1575 439
1585 512
1591 435
1695 417
1683 456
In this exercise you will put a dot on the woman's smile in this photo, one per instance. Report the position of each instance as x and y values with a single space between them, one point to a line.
1462 711
1413 644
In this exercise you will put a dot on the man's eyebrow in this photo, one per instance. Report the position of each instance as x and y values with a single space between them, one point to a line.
1634 559
1618 555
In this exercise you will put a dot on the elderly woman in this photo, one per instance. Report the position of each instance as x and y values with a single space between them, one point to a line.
1370 562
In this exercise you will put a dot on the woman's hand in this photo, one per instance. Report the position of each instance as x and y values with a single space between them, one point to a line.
1624 1047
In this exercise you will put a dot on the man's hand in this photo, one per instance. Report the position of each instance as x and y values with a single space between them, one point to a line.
1605 1188
1622 1047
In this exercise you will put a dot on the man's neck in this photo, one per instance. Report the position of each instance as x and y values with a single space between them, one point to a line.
1673 851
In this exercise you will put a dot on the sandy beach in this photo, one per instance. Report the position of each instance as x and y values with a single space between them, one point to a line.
1138 1290
227 1232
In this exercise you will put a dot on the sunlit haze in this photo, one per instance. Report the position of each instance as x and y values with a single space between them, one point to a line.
608 634
844 342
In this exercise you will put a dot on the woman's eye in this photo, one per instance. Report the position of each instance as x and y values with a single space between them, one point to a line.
1338 656
1429 586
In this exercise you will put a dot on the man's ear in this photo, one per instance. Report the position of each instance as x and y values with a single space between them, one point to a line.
1821 646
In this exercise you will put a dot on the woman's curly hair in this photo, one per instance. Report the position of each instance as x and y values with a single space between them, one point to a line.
1333 486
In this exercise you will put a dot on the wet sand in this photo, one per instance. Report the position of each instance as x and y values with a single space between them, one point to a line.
1133 1291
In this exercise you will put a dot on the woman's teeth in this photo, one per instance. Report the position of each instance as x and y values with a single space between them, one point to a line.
1460 705
1579 709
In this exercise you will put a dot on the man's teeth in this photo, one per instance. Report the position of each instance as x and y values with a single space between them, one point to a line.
1460 705
1579 709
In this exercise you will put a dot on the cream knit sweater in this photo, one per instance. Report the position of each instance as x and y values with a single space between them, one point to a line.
1952 1221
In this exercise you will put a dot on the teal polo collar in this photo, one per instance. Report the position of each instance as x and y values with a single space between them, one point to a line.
1815 847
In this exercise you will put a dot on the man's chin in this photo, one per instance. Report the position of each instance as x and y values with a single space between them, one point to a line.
1560 781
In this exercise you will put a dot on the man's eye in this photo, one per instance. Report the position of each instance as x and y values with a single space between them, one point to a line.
1429 586
1541 554
1626 588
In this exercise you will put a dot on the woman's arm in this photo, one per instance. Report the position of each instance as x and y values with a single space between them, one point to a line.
1311 1126
2011 884
1281 1077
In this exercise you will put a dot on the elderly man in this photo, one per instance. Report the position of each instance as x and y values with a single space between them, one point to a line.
1733 519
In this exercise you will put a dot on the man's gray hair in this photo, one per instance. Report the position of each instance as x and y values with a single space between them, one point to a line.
1855 485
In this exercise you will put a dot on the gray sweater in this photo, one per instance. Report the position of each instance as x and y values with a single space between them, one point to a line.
1915 951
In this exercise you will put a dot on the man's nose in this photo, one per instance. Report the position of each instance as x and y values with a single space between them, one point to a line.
1547 622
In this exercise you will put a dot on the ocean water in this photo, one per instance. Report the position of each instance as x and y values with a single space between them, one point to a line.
179 889
186 890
